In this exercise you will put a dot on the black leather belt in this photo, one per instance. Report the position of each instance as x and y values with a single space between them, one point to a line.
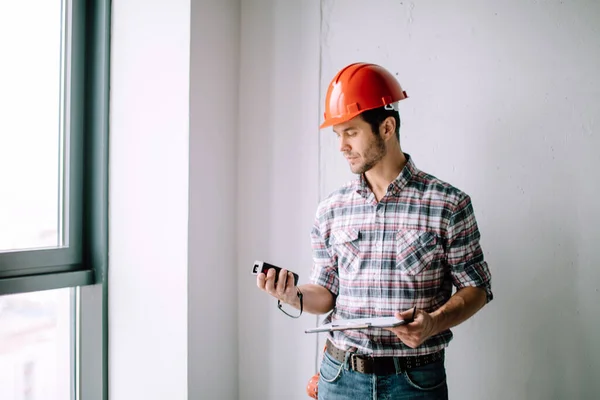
381 365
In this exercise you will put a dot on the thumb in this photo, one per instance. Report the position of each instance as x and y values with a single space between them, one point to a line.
407 315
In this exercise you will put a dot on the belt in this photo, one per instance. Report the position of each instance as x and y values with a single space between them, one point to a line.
381 365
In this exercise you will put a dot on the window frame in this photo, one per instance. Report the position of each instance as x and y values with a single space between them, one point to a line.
93 299
30 262
83 265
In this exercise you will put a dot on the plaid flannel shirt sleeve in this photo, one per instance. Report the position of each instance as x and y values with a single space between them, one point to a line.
464 254
324 270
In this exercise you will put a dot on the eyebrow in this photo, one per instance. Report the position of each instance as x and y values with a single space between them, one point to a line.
352 128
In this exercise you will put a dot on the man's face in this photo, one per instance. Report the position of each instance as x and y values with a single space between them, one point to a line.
360 146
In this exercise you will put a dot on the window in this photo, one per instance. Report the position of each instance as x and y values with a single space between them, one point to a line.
53 190
30 148
35 345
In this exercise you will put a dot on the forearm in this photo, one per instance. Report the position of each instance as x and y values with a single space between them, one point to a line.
316 299
461 306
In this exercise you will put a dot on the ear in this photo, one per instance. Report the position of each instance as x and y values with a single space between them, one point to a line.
387 129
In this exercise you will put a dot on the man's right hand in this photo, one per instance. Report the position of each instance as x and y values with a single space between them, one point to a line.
285 290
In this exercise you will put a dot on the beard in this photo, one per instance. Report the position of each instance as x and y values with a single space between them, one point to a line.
372 155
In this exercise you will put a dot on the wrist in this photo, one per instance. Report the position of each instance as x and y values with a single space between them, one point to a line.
296 303
292 299
439 321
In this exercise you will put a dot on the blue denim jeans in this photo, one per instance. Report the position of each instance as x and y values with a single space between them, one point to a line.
337 382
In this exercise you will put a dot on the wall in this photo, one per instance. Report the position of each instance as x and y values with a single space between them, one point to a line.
277 190
503 104
212 277
148 200
174 122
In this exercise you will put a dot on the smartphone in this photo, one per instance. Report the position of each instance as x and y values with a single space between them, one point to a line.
263 266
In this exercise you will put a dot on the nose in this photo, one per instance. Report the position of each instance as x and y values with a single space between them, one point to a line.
344 146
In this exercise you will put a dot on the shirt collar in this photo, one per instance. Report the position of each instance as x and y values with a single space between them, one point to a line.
396 185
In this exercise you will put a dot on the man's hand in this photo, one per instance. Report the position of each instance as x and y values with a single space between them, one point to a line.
284 290
416 332
461 306
317 299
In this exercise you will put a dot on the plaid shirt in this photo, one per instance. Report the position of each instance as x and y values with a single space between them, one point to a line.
406 250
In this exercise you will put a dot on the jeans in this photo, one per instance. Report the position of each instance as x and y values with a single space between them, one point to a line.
337 382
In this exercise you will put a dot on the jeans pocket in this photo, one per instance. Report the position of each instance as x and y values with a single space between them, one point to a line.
330 370
428 377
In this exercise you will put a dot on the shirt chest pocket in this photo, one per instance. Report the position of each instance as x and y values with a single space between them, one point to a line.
416 250
345 245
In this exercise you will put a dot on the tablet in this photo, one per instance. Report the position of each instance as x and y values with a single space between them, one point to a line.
359 323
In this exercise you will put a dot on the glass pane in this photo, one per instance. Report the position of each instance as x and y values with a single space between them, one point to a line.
35 346
31 123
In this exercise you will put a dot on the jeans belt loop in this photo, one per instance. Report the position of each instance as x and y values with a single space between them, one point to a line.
348 361
397 366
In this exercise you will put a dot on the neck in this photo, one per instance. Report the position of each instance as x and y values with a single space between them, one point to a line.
387 169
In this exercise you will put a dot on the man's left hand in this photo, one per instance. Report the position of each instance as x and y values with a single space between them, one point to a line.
416 332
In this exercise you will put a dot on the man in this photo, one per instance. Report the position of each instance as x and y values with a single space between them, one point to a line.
393 242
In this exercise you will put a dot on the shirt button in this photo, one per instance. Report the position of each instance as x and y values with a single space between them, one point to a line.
378 245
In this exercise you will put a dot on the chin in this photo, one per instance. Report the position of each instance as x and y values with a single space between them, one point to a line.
357 170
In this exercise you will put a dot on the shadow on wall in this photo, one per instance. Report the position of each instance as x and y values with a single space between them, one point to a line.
255 201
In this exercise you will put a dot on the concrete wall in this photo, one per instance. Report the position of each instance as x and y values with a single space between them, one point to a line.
504 104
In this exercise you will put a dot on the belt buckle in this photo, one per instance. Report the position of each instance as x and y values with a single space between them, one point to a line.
366 365
354 365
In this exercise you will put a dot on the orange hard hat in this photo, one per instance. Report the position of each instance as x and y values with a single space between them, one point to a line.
359 87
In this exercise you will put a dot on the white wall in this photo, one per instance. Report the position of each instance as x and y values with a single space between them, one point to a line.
504 103
173 305
277 191
148 295
212 277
